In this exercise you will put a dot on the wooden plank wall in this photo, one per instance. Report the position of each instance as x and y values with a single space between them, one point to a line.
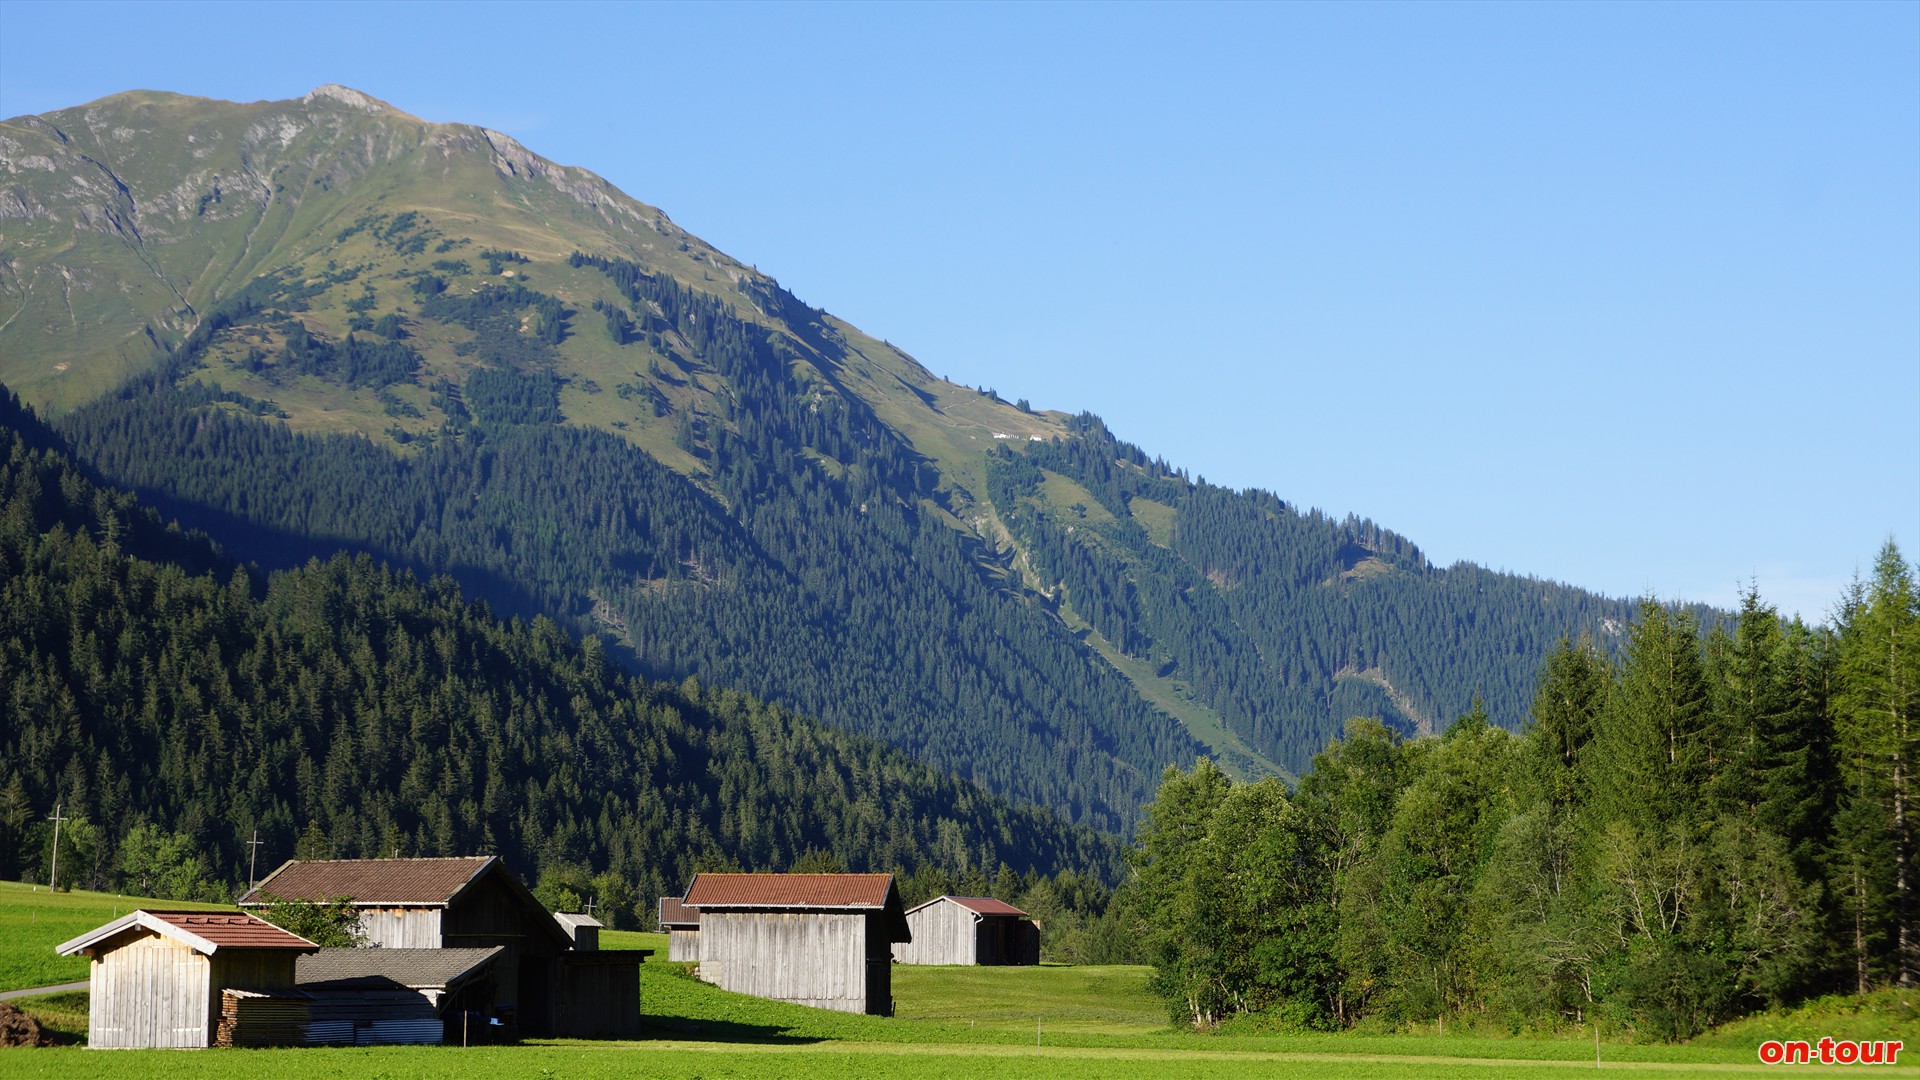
943 933
402 928
808 958
152 991
598 1000
683 946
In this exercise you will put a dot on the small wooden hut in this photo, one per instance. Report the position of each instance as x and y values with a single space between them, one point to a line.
584 930
681 924
823 940
969 930
158 978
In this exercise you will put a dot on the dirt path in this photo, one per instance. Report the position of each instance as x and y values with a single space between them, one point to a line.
36 991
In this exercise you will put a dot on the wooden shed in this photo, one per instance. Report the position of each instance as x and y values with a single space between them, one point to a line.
681 924
823 940
158 978
969 930
458 903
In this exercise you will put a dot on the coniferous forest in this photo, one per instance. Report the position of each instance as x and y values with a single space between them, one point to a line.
172 703
1709 824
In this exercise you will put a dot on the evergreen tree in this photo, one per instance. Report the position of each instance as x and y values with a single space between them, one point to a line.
1877 734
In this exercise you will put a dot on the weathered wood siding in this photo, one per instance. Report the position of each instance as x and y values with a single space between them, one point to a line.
402 927
1007 940
152 991
809 958
683 946
943 933
949 933
600 995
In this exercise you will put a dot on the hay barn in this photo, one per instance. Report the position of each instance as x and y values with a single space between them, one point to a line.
969 930
542 984
681 924
823 940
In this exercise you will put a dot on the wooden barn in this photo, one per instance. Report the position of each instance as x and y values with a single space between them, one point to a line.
159 978
969 930
681 924
823 940
541 983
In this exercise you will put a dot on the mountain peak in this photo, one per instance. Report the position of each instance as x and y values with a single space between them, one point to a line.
348 96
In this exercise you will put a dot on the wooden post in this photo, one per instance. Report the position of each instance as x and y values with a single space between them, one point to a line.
53 876
253 852
1596 1042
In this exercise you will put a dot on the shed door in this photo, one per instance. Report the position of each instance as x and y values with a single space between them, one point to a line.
184 1001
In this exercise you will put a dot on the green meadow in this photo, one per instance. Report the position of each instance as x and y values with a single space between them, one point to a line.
33 921
1051 1021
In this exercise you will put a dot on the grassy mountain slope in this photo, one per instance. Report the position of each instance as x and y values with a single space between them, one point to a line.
350 327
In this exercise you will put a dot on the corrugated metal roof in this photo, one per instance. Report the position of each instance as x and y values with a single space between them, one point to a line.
985 905
422 882
790 890
675 913
420 969
204 931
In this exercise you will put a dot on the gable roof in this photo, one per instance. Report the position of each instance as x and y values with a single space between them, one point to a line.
801 892
838 891
202 931
676 915
979 905
419 969
373 882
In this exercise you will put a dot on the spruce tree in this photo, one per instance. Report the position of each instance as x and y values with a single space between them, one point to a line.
1877 737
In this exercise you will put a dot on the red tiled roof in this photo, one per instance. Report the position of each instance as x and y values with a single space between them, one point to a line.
790 890
203 931
673 912
233 930
986 905
425 882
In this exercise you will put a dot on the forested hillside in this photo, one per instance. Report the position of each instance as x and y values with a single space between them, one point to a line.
172 704
1717 823
322 325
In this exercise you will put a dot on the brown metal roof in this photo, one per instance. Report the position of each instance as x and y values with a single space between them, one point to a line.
204 931
791 890
422 882
986 905
675 913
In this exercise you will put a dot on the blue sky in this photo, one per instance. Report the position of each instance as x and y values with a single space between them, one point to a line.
1626 295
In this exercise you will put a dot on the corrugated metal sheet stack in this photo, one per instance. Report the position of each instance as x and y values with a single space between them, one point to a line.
370 1016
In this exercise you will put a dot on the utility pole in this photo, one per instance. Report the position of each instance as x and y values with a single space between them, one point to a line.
589 907
53 876
253 852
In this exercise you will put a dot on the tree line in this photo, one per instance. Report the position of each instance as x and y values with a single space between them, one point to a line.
1713 823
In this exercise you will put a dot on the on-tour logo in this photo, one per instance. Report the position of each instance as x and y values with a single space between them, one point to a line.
1831 1051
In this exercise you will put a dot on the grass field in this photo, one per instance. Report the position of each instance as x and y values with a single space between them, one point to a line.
951 1022
33 921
